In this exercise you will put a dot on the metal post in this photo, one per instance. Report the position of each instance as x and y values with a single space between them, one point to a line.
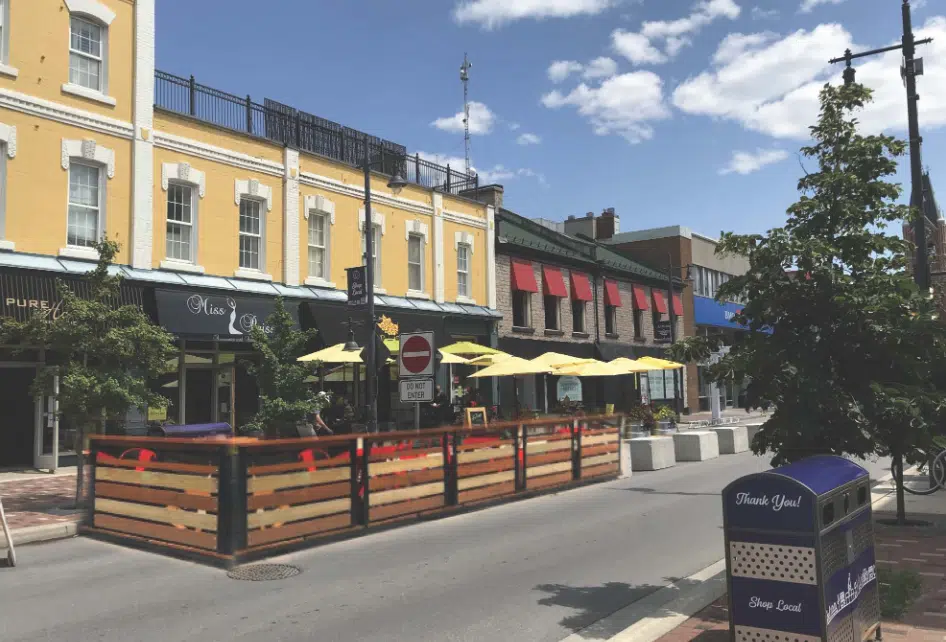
55 466
249 114
417 417
916 168
448 178
193 95
417 169
371 383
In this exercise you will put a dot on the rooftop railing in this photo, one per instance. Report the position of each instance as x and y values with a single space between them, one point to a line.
286 125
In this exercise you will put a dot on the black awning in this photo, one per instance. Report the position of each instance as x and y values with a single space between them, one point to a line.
331 320
215 314
532 348
608 351
23 293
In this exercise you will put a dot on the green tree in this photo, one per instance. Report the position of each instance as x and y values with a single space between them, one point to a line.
104 354
841 343
287 396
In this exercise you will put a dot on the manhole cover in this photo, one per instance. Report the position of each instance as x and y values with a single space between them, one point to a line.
263 572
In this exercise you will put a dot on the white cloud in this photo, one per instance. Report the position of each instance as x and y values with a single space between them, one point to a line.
601 67
758 13
495 174
562 69
496 13
513 126
636 48
481 120
642 47
918 4
808 5
747 162
772 86
528 139
623 104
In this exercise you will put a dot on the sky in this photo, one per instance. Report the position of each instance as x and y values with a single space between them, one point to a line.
670 111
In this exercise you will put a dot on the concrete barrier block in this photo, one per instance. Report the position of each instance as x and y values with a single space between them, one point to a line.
626 466
696 445
652 453
751 431
732 439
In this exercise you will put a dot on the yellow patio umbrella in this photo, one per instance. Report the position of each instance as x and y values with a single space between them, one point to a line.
557 359
512 366
590 369
334 354
488 359
393 345
629 365
468 348
659 364
448 359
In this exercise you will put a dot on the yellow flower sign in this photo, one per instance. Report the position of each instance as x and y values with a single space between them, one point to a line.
387 326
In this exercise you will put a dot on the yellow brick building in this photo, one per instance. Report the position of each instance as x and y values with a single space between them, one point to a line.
220 204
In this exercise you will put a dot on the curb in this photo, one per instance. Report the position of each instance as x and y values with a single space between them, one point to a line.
659 613
41 533
663 610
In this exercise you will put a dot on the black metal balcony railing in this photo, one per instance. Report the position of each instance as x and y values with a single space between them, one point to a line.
288 126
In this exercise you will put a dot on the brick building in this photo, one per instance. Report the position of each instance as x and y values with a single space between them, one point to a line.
575 296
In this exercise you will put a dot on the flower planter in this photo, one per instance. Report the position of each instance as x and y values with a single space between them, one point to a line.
666 427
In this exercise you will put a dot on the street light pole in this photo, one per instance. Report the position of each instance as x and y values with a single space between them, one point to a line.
371 382
921 272
911 69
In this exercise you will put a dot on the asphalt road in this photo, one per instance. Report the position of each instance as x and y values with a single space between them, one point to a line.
537 569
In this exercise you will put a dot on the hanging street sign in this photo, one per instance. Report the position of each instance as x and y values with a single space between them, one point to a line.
357 285
416 357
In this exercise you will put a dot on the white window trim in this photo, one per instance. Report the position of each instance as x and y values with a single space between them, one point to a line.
330 219
463 238
249 273
99 13
7 138
185 174
528 311
462 298
377 218
324 206
419 230
5 68
254 189
92 9
87 150
558 312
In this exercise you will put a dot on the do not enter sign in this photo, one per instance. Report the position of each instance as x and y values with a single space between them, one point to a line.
417 354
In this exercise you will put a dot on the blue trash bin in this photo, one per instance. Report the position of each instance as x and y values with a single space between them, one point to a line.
800 554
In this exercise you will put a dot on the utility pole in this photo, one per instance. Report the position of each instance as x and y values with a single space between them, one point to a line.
909 70
465 79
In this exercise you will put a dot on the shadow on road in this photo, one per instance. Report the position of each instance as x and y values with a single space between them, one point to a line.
592 604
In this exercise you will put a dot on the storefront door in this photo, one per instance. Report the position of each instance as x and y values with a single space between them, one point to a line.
18 408
208 394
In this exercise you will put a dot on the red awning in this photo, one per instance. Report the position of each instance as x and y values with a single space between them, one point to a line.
612 296
640 297
660 301
677 305
523 278
552 282
581 288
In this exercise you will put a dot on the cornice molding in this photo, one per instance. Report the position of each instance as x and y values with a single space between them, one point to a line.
338 187
196 148
64 114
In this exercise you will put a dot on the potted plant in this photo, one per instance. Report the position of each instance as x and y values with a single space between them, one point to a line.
666 420
639 420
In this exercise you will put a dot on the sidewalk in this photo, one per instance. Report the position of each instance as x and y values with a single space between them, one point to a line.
920 549
39 506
